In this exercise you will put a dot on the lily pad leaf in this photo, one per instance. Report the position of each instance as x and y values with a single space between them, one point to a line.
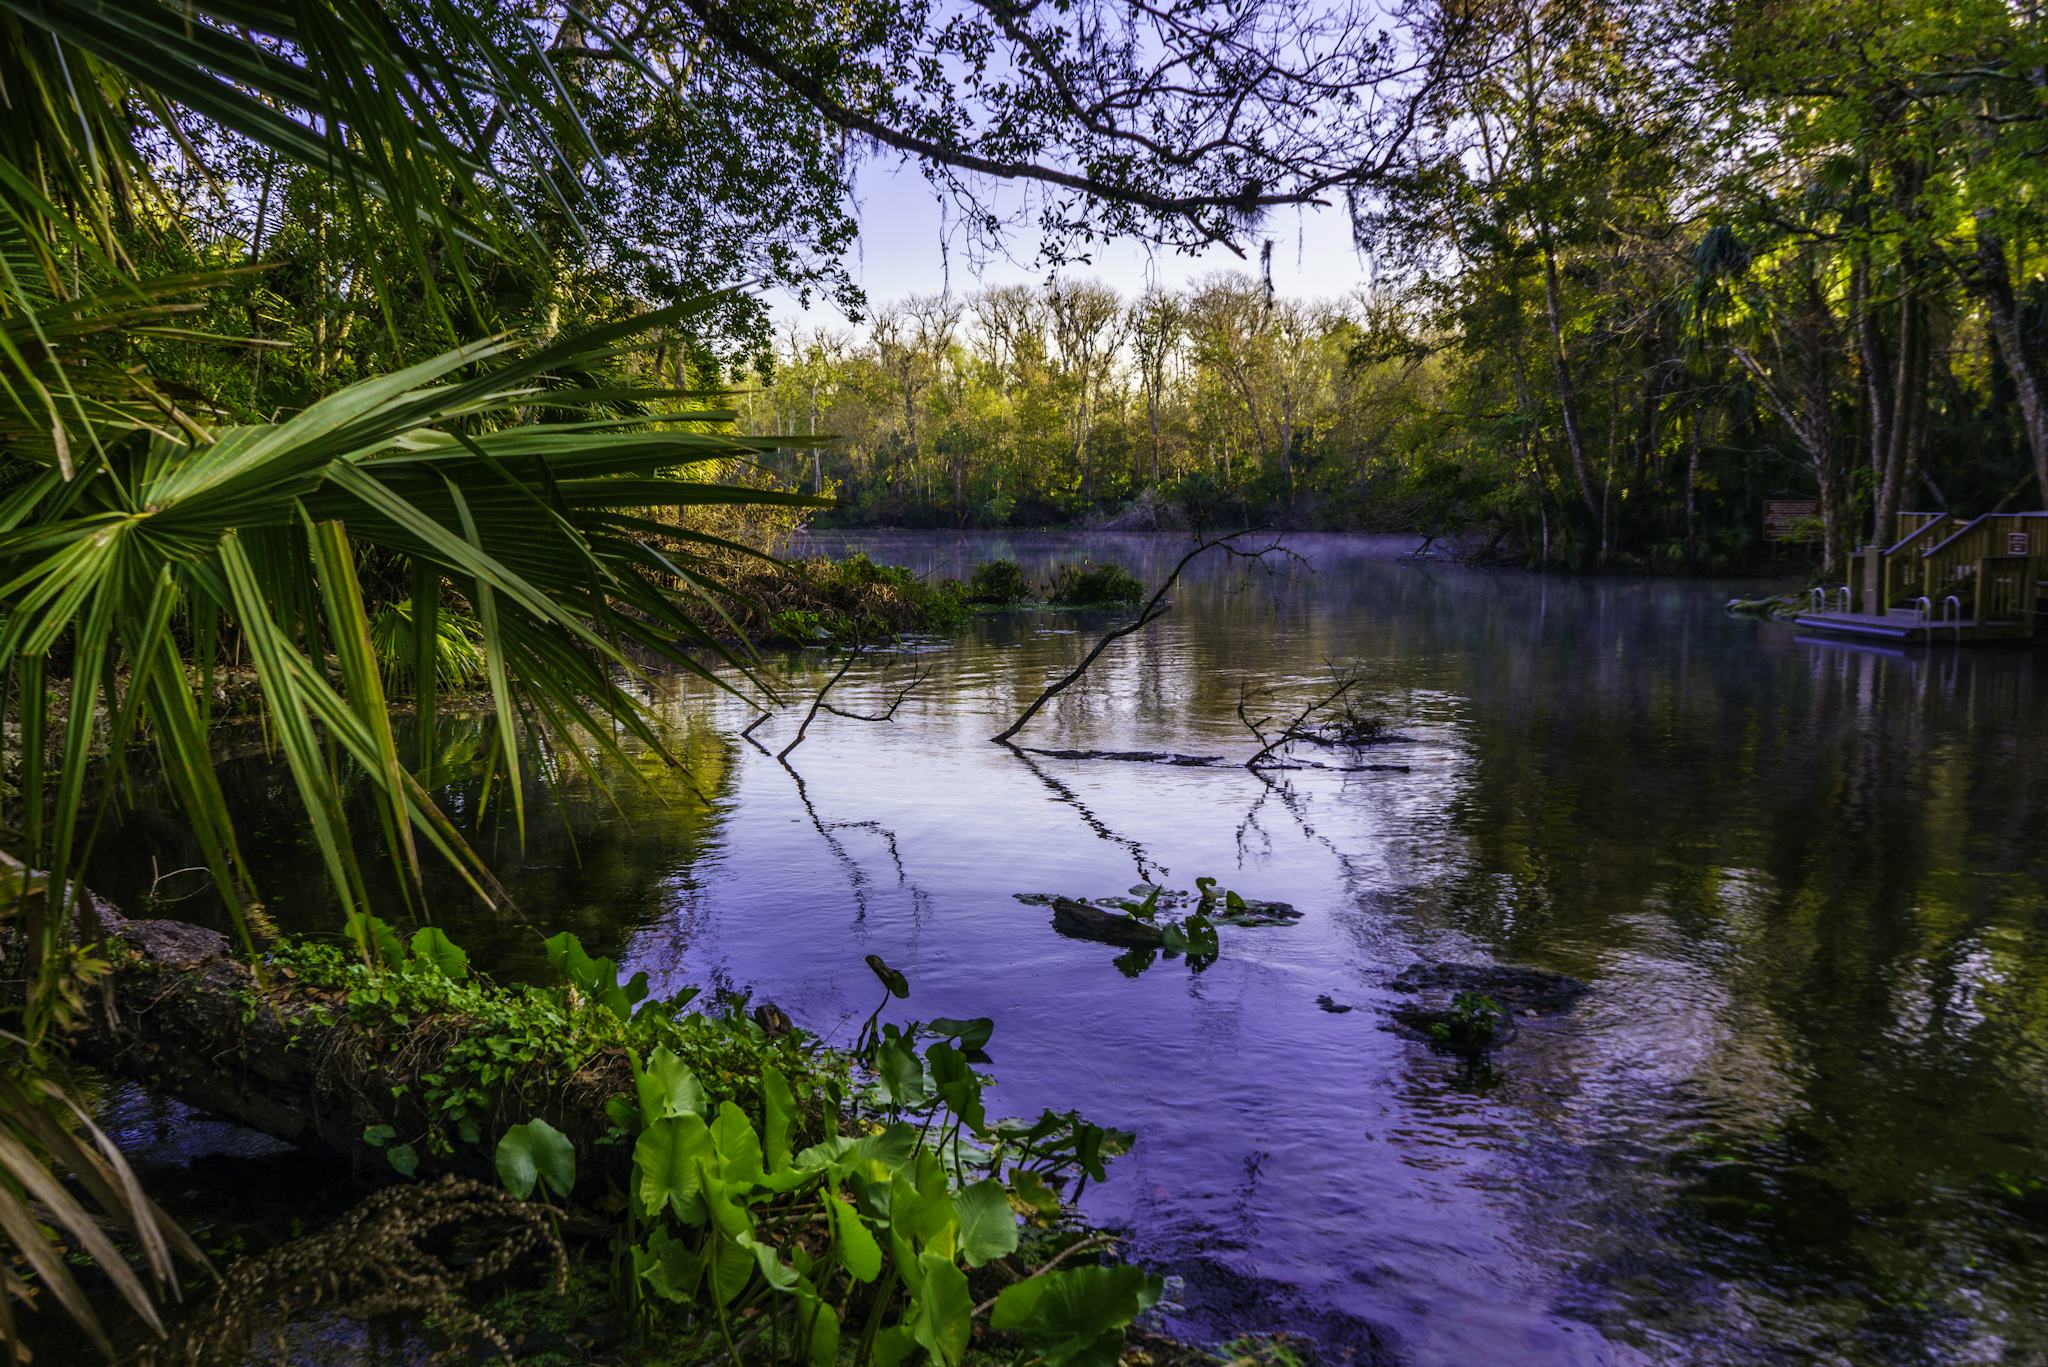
536 1154
988 1227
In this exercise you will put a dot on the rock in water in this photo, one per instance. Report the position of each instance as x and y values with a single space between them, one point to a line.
1525 991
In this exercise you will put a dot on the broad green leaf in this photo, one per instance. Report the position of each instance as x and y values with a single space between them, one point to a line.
778 1110
898 985
732 1267
774 1271
942 1315
1075 1317
665 1166
431 946
973 1032
857 1247
824 1336
1032 1191
668 1265
404 1159
900 1072
738 1146
536 1153
955 1084
667 1088
893 1345
988 1226
375 937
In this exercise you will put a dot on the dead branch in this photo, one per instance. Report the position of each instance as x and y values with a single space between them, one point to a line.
1155 608
888 713
1296 730
818 702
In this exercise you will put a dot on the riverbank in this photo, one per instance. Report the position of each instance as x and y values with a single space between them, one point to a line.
655 1183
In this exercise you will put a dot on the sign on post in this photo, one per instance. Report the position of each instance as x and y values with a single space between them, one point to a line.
1792 519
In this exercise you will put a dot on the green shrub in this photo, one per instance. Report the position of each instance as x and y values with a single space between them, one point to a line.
1091 585
458 654
787 1202
998 583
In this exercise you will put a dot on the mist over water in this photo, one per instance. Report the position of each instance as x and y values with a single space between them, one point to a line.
1802 1114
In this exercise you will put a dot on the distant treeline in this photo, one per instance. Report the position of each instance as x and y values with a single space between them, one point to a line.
1644 271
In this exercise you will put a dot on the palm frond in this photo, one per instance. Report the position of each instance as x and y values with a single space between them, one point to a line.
539 529
44 1131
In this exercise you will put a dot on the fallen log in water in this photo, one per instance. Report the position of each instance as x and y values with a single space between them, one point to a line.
1085 922
184 1015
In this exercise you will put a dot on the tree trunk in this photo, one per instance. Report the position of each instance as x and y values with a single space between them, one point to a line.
1692 484
1567 393
1994 286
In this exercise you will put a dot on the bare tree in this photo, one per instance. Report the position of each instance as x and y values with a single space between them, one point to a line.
1157 326
1088 322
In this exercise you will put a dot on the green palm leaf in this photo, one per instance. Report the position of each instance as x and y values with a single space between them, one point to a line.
545 531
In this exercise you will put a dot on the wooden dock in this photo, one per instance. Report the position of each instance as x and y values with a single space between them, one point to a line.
1944 580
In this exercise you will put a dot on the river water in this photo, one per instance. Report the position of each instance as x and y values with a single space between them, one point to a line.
1801 1115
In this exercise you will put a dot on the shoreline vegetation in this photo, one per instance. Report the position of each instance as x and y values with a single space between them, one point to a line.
572 1171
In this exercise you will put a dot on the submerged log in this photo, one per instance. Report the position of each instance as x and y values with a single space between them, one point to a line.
1085 922
184 1015
1527 991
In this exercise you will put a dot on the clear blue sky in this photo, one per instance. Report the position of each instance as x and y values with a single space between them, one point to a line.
908 247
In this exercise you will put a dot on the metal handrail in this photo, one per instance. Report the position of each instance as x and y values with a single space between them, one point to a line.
1819 598
1847 596
1926 606
1958 618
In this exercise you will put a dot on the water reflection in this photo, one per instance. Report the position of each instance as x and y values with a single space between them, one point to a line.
1801 1115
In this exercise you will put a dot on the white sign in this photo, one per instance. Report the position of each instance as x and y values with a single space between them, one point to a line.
2016 543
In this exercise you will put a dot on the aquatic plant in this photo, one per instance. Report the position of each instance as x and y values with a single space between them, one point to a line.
998 583
784 1201
1093 585
1473 1023
818 599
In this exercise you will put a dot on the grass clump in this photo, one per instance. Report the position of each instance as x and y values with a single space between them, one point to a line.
1474 1023
816 600
1094 585
998 583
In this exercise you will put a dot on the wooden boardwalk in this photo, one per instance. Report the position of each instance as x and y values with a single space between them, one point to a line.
1944 580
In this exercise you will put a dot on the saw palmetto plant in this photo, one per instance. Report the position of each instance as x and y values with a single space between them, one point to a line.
150 534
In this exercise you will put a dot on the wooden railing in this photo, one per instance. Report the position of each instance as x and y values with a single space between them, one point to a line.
2004 588
1903 580
1995 566
1957 559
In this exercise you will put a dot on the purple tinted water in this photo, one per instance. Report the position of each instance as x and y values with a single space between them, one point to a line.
1801 1116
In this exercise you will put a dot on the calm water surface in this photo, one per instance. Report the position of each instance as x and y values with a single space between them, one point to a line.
1801 1117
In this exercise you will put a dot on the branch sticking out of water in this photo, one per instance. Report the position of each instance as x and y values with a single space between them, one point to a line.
1155 608
819 703
888 713
1298 729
